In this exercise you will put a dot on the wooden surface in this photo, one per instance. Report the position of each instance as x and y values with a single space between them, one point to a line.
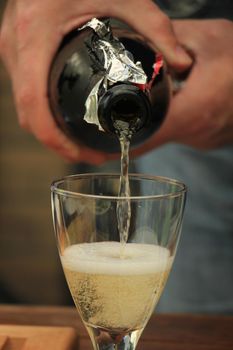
37 338
163 332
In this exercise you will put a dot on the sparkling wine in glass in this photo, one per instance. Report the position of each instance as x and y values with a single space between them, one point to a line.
116 285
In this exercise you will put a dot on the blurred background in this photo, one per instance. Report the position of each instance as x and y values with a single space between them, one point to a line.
30 271
28 255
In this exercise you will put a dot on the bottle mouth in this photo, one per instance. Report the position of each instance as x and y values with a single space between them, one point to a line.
124 105
126 108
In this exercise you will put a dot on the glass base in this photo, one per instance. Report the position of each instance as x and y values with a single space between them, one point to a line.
104 339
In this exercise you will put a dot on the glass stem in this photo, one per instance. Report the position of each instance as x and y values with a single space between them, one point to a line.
103 340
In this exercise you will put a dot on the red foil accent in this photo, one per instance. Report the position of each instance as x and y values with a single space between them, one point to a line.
141 86
157 66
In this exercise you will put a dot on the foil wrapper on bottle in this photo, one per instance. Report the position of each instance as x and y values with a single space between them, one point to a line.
117 63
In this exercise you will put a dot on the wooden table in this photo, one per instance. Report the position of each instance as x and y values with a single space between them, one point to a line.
163 332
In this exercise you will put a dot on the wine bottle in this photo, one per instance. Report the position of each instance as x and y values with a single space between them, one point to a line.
104 77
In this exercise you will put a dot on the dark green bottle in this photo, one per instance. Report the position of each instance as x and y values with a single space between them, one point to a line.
79 80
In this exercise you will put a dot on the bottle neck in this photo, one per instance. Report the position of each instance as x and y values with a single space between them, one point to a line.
124 106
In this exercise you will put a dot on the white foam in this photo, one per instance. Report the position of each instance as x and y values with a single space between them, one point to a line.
104 258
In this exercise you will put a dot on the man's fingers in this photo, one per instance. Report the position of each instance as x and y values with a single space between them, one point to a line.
147 19
144 17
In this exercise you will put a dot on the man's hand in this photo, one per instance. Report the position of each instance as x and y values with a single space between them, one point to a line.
201 114
30 35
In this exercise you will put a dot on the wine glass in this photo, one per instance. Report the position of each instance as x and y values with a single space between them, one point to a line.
116 285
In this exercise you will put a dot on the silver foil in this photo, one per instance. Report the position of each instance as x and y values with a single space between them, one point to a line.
118 66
